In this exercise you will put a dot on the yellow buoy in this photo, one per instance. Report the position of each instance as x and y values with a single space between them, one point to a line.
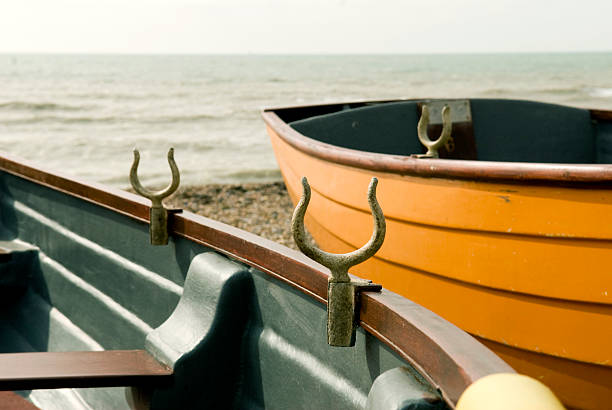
508 391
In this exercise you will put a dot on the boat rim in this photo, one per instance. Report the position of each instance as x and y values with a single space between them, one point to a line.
575 175
446 356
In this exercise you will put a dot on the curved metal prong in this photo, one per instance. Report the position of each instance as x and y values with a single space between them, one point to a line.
155 196
339 264
158 215
434 146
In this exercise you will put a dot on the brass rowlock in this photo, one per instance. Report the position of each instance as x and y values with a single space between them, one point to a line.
342 292
434 146
158 215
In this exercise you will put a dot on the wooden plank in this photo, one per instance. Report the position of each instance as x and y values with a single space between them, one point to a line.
54 370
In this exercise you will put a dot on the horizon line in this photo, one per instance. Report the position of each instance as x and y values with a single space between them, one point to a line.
141 53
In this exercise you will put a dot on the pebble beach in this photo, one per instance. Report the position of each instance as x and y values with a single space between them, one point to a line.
264 209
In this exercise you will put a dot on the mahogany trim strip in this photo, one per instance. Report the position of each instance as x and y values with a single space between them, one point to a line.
601 115
578 175
56 370
447 356
117 200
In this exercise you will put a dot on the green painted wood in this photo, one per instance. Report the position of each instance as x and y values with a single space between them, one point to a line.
201 339
106 321
528 131
386 128
604 142
99 266
236 337
94 223
44 327
399 389
15 267
284 363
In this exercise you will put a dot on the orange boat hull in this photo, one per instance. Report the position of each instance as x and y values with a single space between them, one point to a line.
526 268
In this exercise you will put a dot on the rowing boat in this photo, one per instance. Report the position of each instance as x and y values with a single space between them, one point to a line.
217 318
503 231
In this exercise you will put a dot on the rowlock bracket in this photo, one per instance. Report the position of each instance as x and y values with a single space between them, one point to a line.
158 215
445 136
342 291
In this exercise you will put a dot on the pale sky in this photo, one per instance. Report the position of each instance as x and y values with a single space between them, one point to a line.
304 26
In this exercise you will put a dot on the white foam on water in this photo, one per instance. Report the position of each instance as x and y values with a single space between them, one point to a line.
601 92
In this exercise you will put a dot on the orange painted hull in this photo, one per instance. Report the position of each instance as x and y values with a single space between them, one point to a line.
526 268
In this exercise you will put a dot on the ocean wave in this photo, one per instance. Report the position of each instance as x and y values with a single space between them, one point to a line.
178 119
185 118
113 96
254 174
495 91
561 91
52 119
536 91
40 106
600 92
578 90
565 92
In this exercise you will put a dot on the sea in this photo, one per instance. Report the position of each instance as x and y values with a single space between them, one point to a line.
84 114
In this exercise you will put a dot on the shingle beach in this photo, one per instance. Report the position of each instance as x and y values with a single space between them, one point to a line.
261 208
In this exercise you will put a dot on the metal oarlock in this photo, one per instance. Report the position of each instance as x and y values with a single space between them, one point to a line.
342 292
434 146
158 228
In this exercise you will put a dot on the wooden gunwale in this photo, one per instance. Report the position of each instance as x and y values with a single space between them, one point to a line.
603 115
446 356
576 175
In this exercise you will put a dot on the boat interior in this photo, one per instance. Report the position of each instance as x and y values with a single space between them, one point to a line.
493 130
77 275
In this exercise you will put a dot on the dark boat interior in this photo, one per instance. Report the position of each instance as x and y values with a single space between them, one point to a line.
498 130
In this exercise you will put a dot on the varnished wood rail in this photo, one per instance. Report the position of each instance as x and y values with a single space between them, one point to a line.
55 370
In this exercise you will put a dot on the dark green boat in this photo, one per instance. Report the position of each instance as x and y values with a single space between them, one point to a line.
219 318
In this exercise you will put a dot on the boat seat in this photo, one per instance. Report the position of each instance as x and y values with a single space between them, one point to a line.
207 323
56 370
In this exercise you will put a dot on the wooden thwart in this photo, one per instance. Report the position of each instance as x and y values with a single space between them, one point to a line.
55 370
